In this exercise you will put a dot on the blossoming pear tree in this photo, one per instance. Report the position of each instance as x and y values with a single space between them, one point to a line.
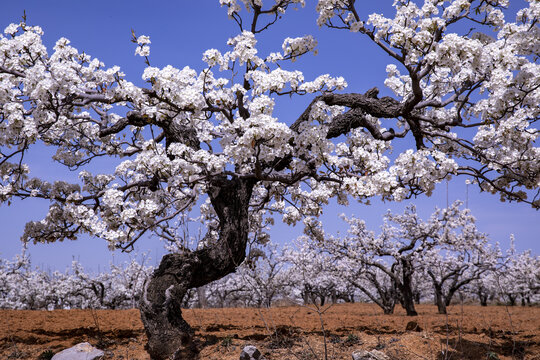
519 276
311 272
346 267
447 249
466 104
463 256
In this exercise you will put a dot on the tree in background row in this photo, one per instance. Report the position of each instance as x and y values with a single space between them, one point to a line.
467 104
519 276
448 249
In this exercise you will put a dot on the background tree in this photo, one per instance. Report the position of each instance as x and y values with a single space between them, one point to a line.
485 288
311 273
264 276
396 251
447 248
469 106
375 284
518 277
463 255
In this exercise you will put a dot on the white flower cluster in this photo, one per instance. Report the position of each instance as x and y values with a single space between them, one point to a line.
143 49
424 167
294 47
450 69
399 84
244 49
327 9
182 87
232 6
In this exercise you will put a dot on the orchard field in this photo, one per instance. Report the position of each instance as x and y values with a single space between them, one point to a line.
290 332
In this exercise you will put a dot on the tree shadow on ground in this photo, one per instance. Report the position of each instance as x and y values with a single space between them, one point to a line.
459 348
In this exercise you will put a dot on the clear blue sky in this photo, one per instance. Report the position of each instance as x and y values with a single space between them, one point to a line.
180 32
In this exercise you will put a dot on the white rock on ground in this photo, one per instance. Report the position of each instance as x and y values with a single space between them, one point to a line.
82 351
369 355
250 352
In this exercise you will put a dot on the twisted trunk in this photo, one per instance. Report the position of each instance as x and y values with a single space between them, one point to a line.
169 335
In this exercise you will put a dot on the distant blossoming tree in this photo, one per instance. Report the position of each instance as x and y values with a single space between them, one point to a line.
467 103
462 255
447 248
519 276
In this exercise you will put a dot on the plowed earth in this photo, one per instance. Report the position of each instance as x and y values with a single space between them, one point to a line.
468 332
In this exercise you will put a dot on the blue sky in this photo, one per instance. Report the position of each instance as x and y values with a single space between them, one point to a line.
180 32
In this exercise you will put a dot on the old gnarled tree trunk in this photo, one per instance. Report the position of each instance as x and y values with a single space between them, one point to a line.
169 335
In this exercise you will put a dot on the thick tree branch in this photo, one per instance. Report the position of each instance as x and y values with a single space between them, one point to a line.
11 71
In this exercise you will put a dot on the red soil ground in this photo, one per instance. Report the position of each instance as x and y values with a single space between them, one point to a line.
468 332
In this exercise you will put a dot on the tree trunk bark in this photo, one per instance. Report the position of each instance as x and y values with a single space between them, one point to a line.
388 300
305 296
201 297
483 298
439 301
512 299
417 297
450 295
169 335
522 300
408 303
388 309
406 288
